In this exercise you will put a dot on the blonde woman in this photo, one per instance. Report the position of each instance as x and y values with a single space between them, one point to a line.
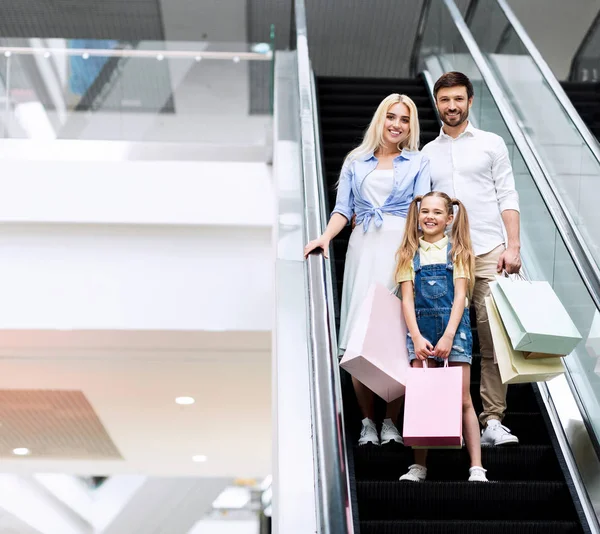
378 181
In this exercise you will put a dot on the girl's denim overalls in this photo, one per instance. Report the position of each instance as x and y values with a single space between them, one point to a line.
434 295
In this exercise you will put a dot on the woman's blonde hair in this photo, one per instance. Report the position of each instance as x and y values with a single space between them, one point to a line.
462 250
373 137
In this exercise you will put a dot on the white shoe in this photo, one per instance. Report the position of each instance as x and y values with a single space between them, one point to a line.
389 432
368 434
416 473
497 434
477 474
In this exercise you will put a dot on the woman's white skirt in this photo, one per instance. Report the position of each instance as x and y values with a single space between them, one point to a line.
371 258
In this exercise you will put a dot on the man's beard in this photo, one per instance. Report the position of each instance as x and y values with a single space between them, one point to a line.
462 117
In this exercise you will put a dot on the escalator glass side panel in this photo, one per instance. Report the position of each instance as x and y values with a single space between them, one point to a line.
553 133
142 91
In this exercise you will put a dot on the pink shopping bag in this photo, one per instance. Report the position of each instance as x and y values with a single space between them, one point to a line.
433 407
376 354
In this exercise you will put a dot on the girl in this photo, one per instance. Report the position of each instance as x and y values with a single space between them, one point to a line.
378 181
436 279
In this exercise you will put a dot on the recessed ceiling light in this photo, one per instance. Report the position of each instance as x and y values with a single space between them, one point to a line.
199 458
21 451
185 400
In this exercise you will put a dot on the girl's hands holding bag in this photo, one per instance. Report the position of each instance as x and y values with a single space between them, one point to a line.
423 348
444 346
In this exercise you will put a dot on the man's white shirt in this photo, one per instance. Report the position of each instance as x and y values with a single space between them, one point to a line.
475 168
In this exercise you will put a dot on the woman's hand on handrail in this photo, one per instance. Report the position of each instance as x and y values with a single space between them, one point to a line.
336 223
322 242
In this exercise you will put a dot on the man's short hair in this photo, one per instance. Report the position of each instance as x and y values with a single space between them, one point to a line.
453 79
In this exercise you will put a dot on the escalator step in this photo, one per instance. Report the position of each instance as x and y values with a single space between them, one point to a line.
364 119
371 99
361 82
581 86
586 99
470 527
351 135
520 462
464 500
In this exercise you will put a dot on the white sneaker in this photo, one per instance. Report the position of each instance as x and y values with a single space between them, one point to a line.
389 432
368 434
477 474
416 473
497 434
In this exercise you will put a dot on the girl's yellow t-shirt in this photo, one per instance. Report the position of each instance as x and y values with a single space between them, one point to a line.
431 253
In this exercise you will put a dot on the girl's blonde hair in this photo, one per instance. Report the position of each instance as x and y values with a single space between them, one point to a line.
462 250
373 137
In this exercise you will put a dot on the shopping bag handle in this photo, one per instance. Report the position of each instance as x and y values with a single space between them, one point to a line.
515 276
425 366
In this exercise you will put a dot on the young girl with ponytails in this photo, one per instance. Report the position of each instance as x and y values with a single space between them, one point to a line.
436 277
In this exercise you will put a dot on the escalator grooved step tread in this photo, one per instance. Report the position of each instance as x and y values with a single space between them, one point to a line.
518 462
465 500
469 527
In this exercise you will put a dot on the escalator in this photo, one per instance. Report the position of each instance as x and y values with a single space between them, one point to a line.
529 494
550 482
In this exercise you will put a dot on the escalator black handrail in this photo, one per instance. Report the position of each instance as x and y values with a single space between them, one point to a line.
332 486
546 72
592 30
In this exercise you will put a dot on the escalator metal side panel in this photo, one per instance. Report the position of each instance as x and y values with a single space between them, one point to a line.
578 452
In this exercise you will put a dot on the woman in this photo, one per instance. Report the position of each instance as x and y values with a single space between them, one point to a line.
378 181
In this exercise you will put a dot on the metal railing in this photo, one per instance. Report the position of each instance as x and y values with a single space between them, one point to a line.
334 512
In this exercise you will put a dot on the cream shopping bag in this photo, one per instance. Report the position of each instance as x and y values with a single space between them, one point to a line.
513 366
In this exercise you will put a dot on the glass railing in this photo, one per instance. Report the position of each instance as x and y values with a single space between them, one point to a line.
563 144
586 63
550 250
198 92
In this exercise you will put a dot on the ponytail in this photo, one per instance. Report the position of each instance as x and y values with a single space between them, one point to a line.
410 240
462 249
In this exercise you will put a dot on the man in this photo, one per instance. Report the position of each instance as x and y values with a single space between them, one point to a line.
474 166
